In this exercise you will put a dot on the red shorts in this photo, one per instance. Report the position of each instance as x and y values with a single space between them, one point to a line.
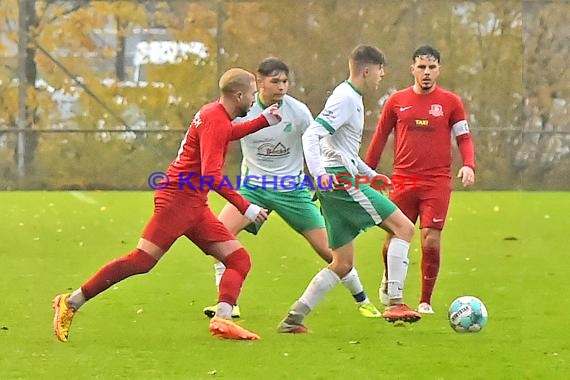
177 216
428 202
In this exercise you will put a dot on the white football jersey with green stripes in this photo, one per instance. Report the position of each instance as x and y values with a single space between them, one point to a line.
276 151
343 118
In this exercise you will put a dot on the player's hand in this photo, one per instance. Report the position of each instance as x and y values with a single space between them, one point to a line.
326 182
261 216
467 176
272 114
256 214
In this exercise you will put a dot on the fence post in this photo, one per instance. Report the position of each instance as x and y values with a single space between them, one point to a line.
22 85
220 51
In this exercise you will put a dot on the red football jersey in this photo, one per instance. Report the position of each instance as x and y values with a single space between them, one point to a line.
422 125
198 166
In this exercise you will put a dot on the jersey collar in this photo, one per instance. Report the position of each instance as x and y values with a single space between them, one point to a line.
353 87
260 103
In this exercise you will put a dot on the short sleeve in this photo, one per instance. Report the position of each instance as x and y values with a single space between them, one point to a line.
336 112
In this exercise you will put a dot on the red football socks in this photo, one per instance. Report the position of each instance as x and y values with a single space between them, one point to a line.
238 264
137 262
430 269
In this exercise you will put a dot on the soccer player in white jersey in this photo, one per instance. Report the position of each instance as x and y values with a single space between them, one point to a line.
331 146
274 168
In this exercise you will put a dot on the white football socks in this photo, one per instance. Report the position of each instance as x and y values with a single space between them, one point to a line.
397 267
384 283
319 286
219 269
224 310
76 299
352 282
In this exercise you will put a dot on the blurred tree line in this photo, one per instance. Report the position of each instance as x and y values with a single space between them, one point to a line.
89 124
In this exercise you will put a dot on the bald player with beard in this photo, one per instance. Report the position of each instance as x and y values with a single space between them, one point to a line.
181 209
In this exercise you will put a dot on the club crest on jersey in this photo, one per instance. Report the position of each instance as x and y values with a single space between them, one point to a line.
436 110
288 127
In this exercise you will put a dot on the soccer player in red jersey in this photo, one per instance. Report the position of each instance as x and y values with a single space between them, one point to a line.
424 117
181 209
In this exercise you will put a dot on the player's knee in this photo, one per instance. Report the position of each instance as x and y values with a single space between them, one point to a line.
240 261
431 238
325 254
140 261
405 231
431 242
340 267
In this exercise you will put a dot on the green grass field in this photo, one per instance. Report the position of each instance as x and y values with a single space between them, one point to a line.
152 327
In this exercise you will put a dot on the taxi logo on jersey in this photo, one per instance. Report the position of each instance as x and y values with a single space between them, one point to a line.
422 122
436 110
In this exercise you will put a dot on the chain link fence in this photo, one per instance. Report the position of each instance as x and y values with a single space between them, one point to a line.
508 159
106 106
